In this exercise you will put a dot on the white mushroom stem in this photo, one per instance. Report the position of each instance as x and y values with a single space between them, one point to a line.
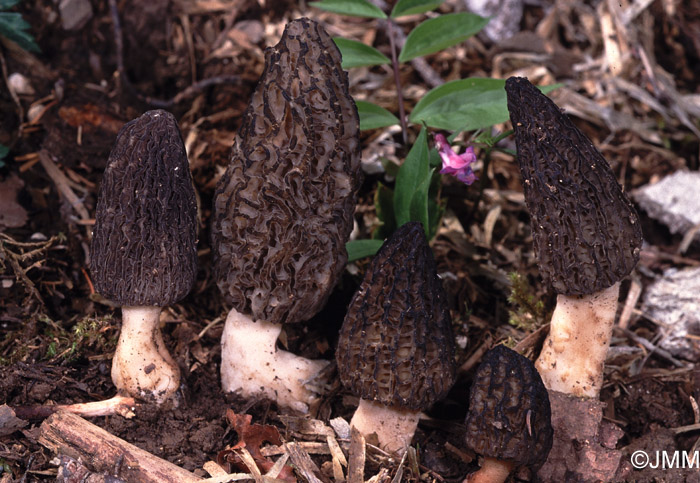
574 352
393 426
491 471
142 366
252 366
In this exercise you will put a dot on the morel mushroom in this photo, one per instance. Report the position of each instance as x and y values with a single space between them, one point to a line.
586 234
509 420
396 347
144 247
283 211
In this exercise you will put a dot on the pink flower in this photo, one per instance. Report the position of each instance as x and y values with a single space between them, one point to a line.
458 165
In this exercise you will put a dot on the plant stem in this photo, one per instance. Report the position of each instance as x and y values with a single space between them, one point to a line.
397 80
487 162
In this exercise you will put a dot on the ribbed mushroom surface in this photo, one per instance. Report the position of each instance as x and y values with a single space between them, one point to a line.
144 246
283 209
509 414
585 230
396 344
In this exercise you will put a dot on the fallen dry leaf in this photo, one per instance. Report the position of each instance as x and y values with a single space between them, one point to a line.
251 437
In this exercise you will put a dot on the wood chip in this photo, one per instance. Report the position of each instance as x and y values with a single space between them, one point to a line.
356 462
303 463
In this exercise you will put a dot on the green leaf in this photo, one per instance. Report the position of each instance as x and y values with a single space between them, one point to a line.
362 248
373 116
412 7
14 28
439 33
435 213
357 54
412 183
465 105
354 8
384 206
5 4
419 203
4 151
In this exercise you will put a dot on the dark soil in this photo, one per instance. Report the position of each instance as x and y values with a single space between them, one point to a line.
58 335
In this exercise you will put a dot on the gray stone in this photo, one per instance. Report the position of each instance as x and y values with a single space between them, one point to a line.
674 300
75 13
674 201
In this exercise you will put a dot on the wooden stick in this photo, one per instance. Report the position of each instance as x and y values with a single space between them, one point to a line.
122 405
67 434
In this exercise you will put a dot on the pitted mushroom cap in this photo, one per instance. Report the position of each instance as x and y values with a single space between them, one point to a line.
509 414
284 208
396 344
144 246
585 230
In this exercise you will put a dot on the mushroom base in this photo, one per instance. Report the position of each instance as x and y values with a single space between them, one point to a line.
252 366
574 352
393 425
142 366
492 471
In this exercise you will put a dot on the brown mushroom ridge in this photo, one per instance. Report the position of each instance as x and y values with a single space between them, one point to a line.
144 246
396 344
283 209
585 230
509 413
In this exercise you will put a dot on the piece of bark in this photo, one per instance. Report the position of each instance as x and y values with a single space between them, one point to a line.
584 444
67 434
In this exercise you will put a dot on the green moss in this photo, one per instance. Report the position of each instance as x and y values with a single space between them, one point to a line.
529 312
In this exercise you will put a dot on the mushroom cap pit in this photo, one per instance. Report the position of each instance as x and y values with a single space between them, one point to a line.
586 232
144 246
396 344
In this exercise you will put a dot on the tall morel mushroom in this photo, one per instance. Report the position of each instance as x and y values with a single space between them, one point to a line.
283 211
586 234
509 419
396 347
144 247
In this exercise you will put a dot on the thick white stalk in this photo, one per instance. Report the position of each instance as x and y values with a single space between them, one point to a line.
574 352
252 366
492 471
394 426
142 366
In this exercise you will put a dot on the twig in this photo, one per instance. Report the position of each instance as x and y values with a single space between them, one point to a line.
67 434
121 405
652 348
155 102
63 186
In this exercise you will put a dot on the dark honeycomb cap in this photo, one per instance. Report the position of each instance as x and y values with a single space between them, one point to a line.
585 230
396 344
144 246
283 209
509 414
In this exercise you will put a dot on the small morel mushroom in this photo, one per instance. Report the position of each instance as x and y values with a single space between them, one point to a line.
586 234
509 421
283 211
144 247
396 348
